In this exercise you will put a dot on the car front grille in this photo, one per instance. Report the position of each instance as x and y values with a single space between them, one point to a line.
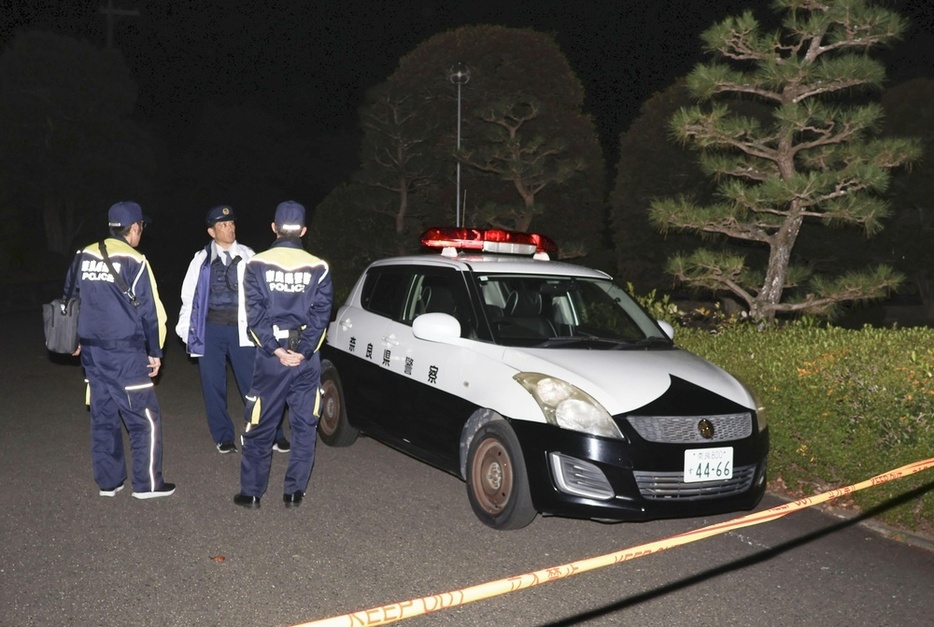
660 486
685 429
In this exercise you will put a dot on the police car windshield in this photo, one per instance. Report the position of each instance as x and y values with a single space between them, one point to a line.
565 312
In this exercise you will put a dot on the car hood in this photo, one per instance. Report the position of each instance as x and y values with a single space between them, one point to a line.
625 380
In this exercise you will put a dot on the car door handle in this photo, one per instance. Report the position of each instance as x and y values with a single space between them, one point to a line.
390 340
346 324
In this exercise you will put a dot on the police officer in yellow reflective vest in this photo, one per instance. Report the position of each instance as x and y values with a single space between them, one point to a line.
288 299
121 334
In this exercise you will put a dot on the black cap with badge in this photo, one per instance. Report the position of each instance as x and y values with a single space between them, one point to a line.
221 213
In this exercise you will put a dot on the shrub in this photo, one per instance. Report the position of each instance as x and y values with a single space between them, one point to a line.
842 405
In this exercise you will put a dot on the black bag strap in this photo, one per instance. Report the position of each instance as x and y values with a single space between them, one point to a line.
231 266
71 284
117 278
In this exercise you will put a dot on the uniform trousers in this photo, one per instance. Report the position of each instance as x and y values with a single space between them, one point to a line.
222 342
274 386
121 390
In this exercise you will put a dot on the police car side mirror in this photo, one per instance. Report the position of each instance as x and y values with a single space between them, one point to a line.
436 327
667 328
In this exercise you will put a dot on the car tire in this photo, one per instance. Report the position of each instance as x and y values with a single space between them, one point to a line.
333 426
497 481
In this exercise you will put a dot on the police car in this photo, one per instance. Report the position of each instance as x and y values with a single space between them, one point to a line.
542 384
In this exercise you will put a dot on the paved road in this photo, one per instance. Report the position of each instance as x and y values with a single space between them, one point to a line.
377 528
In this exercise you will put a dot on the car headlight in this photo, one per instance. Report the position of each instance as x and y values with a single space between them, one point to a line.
567 406
761 417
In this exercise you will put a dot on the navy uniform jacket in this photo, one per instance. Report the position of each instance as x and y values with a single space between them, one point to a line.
108 319
196 290
287 288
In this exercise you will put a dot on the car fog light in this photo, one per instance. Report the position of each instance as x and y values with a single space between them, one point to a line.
575 476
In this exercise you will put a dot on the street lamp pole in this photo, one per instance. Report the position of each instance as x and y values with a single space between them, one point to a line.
111 13
459 74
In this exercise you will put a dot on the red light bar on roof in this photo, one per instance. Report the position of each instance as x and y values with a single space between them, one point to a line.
488 240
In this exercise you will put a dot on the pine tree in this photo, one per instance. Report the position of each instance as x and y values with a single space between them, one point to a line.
816 160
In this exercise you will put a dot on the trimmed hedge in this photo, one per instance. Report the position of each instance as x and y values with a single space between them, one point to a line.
842 406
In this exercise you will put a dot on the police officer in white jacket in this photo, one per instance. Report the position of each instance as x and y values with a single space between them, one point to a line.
212 323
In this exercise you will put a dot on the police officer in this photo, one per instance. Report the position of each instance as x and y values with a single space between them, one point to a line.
212 323
121 334
288 299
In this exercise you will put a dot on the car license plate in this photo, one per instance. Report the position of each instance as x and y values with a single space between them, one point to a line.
708 464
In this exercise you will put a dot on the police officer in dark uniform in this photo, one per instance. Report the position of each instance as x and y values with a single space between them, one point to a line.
121 335
212 323
288 299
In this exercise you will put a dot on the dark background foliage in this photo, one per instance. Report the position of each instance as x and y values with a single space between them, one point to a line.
247 103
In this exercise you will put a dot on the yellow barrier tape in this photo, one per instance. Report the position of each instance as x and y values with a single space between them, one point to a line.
436 602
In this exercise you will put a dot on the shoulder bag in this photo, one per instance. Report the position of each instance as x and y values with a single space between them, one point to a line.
60 318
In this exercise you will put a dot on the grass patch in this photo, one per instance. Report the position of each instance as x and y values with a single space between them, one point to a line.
843 405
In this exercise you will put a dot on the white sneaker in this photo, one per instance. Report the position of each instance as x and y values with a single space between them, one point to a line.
111 491
167 489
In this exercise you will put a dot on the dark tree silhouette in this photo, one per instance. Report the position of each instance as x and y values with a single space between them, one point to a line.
817 160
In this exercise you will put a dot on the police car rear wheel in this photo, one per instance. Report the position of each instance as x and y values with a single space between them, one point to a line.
333 426
497 482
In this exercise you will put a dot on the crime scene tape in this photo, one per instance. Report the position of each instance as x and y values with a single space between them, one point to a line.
446 600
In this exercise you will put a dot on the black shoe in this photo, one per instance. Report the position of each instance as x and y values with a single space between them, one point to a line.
226 447
251 502
294 499
167 489
282 446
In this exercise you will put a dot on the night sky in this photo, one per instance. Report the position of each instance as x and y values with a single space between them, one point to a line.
310 63
316 60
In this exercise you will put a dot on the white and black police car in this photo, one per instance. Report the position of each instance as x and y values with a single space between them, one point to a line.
542 384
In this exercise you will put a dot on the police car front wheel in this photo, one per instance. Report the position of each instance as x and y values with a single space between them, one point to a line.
497 481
